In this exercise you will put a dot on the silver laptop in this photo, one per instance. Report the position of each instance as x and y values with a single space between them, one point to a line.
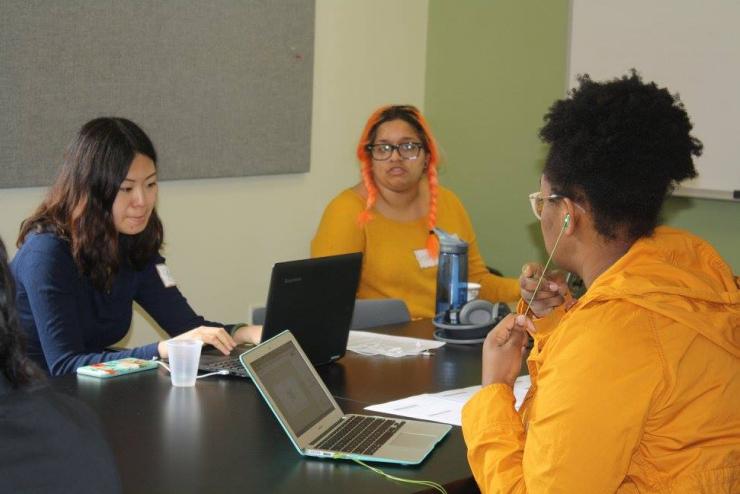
315 423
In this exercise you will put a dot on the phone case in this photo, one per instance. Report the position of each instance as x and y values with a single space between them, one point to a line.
115 368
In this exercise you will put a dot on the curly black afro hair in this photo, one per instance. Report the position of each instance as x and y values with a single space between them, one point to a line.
622 145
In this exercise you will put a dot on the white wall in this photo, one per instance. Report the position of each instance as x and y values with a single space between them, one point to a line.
693 49
222 236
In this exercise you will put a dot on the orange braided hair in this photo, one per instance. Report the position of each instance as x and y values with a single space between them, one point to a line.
413 117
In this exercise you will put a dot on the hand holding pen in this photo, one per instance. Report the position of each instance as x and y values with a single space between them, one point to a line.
504 348
551 292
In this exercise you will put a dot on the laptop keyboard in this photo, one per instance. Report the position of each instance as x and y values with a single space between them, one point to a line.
360 434
233 365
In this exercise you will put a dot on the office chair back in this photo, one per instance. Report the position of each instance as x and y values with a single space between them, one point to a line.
368 313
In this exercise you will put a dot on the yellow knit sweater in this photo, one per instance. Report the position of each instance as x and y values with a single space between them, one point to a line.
390 267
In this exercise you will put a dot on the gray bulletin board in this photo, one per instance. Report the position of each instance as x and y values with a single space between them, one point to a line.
223 88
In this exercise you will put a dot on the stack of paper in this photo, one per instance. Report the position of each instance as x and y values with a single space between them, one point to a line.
445 407
366 343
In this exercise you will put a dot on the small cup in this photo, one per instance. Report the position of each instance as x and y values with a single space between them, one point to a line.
473 291
184 356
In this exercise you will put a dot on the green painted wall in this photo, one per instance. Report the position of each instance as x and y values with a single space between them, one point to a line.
716 221
493 69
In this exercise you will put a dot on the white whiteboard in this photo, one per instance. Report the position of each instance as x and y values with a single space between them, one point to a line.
692 47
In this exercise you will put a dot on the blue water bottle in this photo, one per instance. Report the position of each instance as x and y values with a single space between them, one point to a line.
452 277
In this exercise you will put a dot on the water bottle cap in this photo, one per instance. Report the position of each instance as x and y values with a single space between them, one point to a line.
450 244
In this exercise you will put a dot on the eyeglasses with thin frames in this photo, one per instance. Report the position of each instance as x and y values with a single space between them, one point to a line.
538 202
384 151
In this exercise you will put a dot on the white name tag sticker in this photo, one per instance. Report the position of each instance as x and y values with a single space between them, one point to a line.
165 275
424 259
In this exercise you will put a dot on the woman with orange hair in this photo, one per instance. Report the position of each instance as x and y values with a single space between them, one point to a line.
389 216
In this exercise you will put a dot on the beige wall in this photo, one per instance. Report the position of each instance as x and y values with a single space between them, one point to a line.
223 235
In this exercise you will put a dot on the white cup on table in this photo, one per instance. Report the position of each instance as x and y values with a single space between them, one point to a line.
184 357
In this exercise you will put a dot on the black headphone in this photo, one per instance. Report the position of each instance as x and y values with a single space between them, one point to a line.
478 312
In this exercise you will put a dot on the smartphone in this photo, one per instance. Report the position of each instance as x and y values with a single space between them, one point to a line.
114 368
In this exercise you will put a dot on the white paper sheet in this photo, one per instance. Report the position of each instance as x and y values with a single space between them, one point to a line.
366 343
445 407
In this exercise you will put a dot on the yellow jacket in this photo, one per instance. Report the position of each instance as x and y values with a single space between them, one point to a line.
635 389
390 268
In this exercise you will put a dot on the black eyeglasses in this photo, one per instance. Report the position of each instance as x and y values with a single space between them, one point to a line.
406 150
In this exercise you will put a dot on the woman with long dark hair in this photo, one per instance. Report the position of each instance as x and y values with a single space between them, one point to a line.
16 368
92 248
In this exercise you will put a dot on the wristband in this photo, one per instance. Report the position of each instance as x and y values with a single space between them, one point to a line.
235 327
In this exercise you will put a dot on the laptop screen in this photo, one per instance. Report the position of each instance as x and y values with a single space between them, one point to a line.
314 299
291 385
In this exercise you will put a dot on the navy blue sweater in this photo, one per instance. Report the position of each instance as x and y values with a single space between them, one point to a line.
69 323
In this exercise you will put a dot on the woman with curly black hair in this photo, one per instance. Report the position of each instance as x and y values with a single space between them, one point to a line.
91 249
636 385
50 442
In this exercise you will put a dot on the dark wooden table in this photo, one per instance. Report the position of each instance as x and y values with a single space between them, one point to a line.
220 436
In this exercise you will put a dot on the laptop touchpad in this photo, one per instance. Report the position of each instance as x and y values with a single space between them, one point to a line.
408 440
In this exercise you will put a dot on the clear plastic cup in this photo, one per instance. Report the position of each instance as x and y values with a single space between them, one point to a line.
184 356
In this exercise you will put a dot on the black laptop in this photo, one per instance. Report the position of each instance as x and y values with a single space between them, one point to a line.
314 299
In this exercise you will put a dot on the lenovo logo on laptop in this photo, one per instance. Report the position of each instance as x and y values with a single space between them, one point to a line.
314 299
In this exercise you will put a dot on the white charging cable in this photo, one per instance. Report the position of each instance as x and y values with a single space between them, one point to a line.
222 372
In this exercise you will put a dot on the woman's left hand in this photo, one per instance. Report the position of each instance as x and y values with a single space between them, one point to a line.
248 334
504 348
